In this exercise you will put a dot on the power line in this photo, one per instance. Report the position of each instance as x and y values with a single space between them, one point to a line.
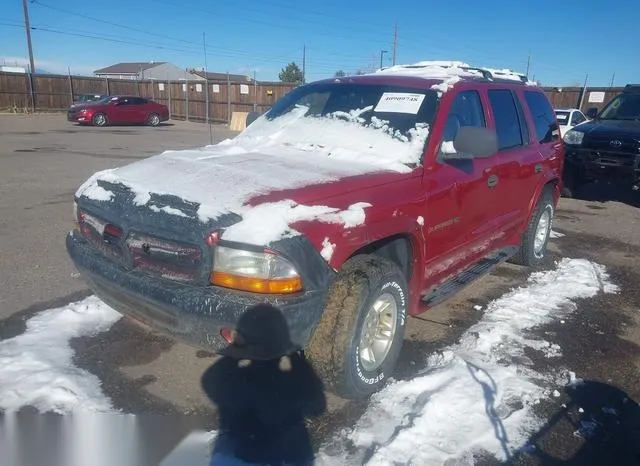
111 23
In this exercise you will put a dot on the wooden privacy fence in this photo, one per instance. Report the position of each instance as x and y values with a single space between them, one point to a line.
185 99
570 97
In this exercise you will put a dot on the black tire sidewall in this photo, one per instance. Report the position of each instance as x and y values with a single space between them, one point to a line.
358 379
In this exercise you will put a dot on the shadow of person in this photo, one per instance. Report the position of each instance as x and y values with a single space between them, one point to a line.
263 404
605 418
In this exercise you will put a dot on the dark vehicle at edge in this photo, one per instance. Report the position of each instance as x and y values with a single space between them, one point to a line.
608 147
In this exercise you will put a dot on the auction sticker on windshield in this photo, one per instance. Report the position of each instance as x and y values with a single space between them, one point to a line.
399 102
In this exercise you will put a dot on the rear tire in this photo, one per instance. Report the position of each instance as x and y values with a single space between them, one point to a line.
357 343
536 237
99 119
153 119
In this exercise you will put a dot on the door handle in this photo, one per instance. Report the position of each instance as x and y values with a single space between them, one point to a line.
492 181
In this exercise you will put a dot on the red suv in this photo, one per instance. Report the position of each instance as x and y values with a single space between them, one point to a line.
350 205
119 110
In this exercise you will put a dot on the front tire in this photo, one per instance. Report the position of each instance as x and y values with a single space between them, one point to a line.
153 119
357 343
99 119
536 237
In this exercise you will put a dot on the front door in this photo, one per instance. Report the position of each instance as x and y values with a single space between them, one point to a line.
457 192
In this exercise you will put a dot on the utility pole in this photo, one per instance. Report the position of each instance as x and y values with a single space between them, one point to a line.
32 67
304 64
27 26
528 64
584 91
395 43
612 79
206 85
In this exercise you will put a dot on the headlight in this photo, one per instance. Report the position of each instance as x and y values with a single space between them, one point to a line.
258 272
573 137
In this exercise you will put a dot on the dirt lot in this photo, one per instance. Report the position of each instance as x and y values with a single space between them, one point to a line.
44 159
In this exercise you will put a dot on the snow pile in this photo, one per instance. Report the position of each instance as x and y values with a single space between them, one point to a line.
477 394
328 248
36 367
270 222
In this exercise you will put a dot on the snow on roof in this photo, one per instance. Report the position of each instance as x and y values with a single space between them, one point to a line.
450 72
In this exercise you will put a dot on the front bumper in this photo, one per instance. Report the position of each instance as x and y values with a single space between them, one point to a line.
591 164
194 314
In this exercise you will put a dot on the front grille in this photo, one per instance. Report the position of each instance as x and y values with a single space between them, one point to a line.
600 143
161 257
165 258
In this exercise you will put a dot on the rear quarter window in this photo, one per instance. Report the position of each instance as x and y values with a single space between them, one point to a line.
543 116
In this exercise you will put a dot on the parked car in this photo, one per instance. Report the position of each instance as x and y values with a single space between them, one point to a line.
350 205
569 118
608 147
118 110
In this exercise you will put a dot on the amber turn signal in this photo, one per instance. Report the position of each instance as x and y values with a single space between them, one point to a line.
257 285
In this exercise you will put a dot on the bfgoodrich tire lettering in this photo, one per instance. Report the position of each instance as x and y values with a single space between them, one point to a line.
335 349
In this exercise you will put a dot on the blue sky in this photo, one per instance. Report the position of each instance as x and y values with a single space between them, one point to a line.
566 40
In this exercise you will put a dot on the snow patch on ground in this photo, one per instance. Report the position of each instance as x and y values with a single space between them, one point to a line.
328 249
270 222
477 394
556 234
36 367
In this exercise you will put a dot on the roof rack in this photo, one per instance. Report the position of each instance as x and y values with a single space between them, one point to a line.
632 88
486 73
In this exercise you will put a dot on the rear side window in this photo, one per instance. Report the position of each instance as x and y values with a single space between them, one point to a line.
139 101
543 116
507 120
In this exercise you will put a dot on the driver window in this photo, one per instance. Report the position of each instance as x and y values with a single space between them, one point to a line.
466 110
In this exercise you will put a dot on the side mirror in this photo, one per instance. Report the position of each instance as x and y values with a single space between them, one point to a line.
592 112
474 141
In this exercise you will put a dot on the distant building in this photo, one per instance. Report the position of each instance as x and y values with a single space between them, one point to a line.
12 69
163 71
222 77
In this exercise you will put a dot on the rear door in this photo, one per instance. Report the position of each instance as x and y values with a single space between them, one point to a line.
517 168
142 109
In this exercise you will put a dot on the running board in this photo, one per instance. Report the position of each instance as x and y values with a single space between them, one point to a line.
455 284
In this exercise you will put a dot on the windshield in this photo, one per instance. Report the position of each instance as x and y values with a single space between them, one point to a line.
623 107
355 121
562 117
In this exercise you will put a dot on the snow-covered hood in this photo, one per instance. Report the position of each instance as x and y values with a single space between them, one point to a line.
273 163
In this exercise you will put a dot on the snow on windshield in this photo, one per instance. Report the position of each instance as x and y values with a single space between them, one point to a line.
339 135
